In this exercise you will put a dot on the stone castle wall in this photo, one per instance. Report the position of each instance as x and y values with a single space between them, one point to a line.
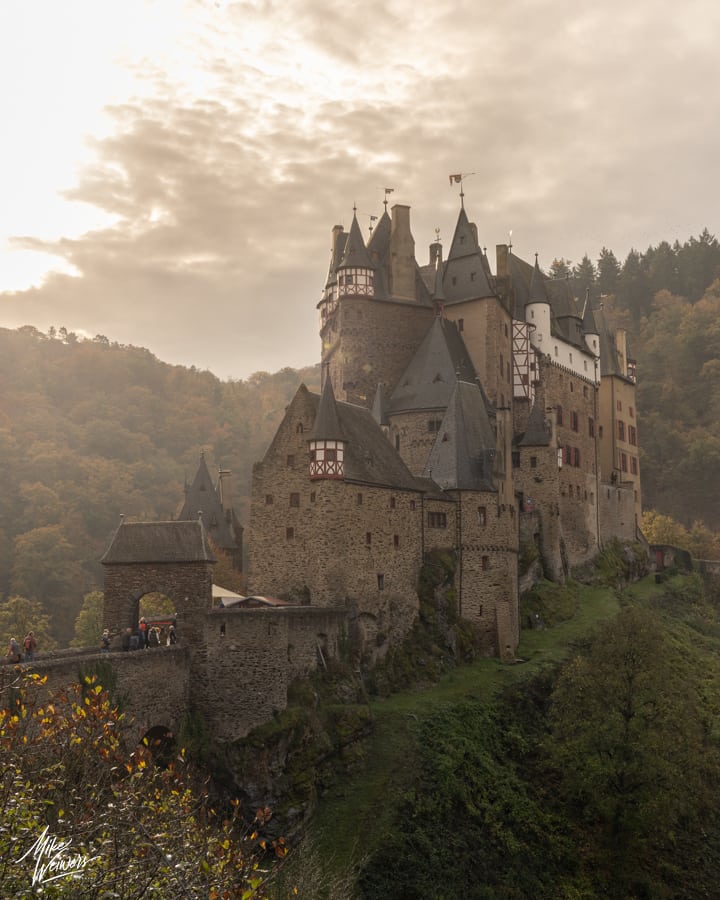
488 573
254 654
369 342
617 512
486 328
153 685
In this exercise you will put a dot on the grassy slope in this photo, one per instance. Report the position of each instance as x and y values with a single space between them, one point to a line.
353 817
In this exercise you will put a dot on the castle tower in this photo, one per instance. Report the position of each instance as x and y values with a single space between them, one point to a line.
472 302
375 308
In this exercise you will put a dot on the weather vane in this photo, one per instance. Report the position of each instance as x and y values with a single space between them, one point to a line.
458 179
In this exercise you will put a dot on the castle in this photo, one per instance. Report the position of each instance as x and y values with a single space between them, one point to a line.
484 414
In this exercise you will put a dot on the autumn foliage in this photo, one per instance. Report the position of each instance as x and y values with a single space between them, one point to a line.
128 827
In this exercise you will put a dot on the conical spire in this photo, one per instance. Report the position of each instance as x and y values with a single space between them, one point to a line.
538 291
356 255
327 422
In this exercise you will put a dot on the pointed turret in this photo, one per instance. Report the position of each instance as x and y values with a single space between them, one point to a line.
356 272
466 271
590 327
327 441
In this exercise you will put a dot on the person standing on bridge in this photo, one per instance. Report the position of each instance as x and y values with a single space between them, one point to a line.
105 641
30 646
14 655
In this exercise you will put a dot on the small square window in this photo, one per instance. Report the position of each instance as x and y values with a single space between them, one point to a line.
268 499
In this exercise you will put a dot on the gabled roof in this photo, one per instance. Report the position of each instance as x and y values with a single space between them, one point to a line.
463 456
430 378
610 362
538 432
466 274
202 497
158 542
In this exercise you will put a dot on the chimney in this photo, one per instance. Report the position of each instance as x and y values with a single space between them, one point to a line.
402 255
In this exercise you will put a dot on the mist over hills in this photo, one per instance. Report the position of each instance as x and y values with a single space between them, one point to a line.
91 429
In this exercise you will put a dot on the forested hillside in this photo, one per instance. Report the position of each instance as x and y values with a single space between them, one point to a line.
668 299
90 429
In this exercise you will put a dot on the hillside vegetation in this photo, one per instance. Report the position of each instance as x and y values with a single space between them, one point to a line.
588 769
90 429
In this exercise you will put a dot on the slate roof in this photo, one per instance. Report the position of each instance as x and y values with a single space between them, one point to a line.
356 255
538 432
466 274
463 456
158 542
531 285
369 456
430 378
327 423
202 497
610 362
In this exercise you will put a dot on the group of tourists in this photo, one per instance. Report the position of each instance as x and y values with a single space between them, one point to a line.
26 653
144 637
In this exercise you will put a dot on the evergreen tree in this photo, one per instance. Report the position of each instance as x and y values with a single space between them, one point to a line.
608 272
584 275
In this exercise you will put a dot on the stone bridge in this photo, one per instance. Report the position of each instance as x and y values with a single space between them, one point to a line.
231 667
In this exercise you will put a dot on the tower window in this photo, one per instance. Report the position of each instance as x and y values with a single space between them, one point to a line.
559 414
291 459
268 499
392 503
437 520
533 462
368 538
396 541
381 582
359 499
482 515
299 429
486 563
295 500
397 441
461 324
289 533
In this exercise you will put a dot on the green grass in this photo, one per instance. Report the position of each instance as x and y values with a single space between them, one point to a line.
352 818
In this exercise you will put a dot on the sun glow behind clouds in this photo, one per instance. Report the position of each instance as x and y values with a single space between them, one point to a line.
62 64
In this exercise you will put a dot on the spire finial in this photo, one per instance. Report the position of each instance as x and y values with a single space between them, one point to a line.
385 201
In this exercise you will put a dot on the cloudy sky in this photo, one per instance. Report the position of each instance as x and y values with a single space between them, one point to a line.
170 171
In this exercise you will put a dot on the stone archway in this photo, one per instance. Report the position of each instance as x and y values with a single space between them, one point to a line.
172 558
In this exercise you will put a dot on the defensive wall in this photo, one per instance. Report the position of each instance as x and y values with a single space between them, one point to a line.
150 686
